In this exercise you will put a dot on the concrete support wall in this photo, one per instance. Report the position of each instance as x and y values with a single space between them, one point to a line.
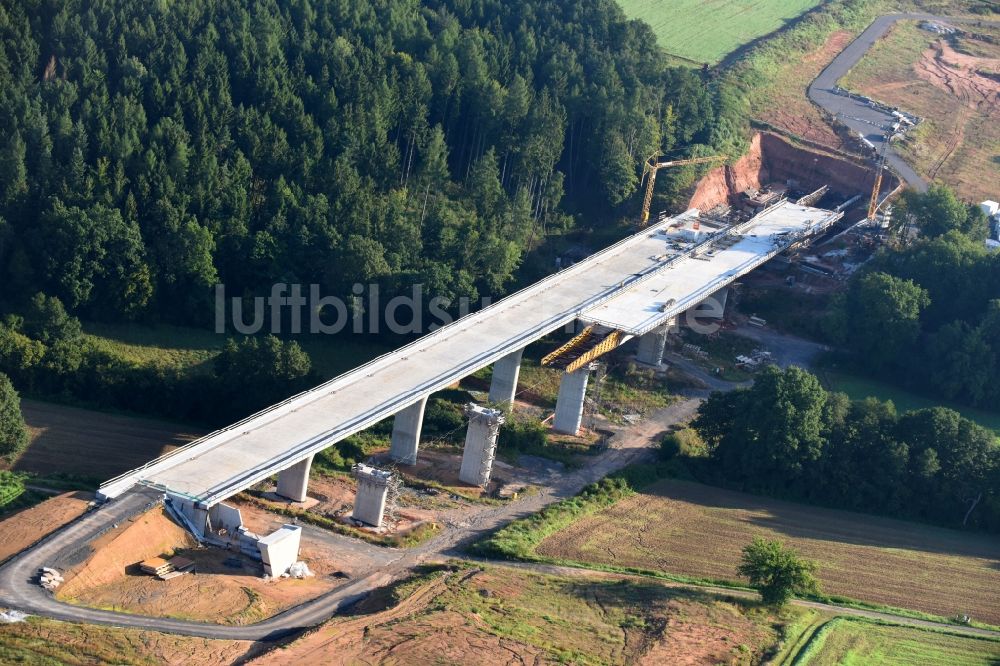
294 481
503 386
225 517
280 549
406 433
480 444
569 404
194 516
369 501
651 346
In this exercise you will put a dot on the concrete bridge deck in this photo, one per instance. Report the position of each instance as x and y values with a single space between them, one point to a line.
636 285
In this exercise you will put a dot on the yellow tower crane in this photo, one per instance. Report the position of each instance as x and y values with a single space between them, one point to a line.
651 166
880 160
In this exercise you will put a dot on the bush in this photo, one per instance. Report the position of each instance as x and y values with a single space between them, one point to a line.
523 435
685 442
11 487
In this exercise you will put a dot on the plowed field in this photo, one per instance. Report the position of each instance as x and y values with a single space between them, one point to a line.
695 530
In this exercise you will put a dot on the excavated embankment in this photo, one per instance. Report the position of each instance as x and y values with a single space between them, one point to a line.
772 159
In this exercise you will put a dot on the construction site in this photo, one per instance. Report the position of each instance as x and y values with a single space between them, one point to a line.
780 205
237 527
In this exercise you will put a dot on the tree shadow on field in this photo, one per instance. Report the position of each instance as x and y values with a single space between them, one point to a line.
626 594
804 521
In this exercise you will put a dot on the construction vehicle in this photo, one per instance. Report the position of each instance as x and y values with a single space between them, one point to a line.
651 166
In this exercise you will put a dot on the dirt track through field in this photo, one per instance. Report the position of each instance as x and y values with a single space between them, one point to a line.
695 530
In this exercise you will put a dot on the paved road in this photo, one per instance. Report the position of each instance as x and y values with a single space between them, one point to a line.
68 546
858 115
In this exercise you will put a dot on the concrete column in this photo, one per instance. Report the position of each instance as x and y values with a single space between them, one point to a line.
293 482
480 444
406 433
651 346
569 404
503 386
713 307
373 487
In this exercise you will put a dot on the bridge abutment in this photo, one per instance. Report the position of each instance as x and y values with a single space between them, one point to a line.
503 386
480 444
293 482
406 433
569 404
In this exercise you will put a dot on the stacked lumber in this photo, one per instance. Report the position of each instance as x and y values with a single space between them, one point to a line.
167 569
49 578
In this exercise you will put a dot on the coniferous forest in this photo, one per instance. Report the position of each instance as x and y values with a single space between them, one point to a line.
149 150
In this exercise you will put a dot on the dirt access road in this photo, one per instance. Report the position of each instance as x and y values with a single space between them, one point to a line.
69 545
856 114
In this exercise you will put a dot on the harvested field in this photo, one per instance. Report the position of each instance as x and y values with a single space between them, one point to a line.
92 444
706 31
844 640
41 641
696 530
957 93
485 616
226 589
26 527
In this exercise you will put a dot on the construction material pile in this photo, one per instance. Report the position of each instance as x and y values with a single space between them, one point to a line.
49 578
167 569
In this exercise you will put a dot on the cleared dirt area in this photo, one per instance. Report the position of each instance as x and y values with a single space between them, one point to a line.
227 588
43 641
24 528
487 616
93 444
958 95
788 108
696 530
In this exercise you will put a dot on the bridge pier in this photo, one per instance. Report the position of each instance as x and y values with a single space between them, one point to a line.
480 444
652 344
713 307
406 433
569 404
369 500
293 482
503 386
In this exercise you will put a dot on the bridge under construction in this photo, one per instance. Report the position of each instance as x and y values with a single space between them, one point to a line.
635 288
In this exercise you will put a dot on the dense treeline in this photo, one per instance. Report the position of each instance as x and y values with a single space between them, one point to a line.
928 314
13 432
46 354
788 437
150 150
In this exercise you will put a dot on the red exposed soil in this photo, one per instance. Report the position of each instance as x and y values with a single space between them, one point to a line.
226 588
961 76
24 528
773 159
